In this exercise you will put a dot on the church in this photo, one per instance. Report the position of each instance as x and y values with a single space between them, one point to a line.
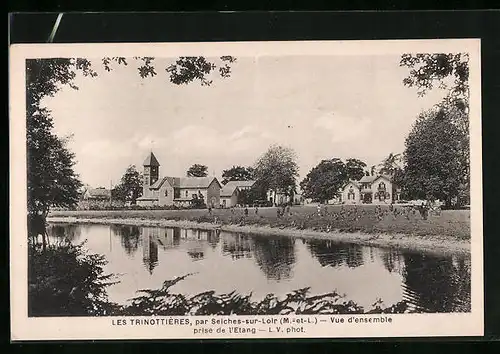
178 191
378 189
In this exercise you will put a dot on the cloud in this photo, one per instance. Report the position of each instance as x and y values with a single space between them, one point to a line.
343 128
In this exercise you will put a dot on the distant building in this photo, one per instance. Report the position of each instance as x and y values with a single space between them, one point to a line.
100 193
97 198
241 185
229 195
278 197
298 199
378 189
179 191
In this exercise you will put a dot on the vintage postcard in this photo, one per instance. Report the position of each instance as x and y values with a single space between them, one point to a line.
246 190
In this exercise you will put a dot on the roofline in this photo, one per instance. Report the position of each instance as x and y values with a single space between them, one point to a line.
350 182
230 195
382 176
161 183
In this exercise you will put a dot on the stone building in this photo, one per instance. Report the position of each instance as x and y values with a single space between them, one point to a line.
179 191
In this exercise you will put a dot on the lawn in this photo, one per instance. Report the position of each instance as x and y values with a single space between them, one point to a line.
369 219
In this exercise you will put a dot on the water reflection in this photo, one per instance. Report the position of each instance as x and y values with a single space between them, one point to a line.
393 260
334 254
71 232
275 256
150 238
237 246
440 284
225 261
130 237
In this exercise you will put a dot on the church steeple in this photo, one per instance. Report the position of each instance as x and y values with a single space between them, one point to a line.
151 171
151 161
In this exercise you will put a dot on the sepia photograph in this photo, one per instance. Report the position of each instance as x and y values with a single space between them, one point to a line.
244 182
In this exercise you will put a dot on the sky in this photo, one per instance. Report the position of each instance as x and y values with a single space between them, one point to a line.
321 106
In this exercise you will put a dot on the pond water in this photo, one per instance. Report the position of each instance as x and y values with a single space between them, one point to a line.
145 257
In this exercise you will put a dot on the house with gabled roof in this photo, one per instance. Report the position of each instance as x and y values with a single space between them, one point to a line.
377 189
241 185
179 191
229 195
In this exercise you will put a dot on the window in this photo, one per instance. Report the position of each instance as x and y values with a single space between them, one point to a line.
166 192
350 195
187 194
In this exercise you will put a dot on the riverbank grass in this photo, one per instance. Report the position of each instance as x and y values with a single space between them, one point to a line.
450 224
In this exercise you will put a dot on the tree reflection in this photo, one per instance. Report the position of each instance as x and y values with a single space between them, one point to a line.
441 284
275 256
70 232
334 254
393 260
129 237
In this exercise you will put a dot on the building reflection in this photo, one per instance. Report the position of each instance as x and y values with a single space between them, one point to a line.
334 254
438 284
193 242
237 245
150 247
274 256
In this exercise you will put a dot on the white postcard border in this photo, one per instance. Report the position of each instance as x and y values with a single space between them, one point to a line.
95 328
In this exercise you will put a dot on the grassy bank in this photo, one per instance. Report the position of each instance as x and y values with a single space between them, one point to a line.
364 225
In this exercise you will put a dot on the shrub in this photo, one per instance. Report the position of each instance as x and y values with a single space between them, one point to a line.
65 281
162 302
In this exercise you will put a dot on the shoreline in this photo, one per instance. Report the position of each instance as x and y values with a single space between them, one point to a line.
429 244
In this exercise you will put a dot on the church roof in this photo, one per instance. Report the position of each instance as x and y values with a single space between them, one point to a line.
173 181
185 182
196 182
151 160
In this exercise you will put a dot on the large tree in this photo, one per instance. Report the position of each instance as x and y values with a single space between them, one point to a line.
390 164
276 170
130 186
237 173
51 179
355 169
447 71
324 181
197 170
435 166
